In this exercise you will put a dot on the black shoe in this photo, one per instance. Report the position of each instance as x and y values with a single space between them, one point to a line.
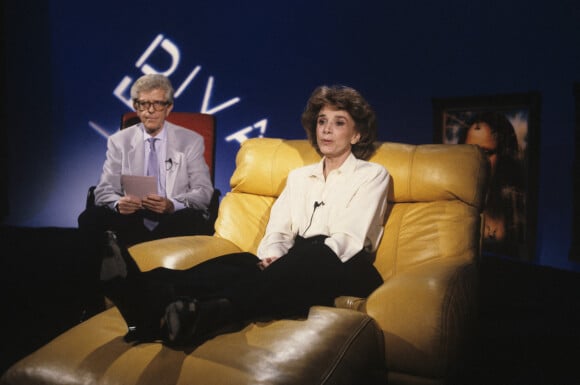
191 322
113 264
181 319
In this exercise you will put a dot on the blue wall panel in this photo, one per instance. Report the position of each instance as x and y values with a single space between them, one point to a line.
69 64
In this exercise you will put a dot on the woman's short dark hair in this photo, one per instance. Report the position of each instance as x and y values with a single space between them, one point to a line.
349 100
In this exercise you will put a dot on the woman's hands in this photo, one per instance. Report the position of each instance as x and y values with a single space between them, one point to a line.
264 263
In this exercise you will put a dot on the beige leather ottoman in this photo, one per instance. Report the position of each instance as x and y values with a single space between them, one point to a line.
331 346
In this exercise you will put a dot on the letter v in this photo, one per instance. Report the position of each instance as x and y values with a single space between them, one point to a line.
208 91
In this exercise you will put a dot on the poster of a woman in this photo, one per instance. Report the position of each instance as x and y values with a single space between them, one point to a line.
505 128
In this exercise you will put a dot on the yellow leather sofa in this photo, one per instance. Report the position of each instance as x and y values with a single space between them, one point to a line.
411 330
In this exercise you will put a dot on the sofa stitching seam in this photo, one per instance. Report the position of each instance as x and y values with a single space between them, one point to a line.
344 348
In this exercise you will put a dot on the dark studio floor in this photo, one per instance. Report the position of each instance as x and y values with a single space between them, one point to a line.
529 318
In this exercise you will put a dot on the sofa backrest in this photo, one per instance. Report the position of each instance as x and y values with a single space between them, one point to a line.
435 198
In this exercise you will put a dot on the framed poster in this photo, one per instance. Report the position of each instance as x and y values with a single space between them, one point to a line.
506 128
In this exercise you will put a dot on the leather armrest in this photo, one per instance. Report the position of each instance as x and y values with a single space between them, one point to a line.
180 252
349 302
425 313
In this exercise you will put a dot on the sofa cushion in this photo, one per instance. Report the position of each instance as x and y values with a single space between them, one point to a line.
180 253
243 218
262 165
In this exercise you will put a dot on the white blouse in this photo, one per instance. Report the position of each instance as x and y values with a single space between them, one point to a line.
348 207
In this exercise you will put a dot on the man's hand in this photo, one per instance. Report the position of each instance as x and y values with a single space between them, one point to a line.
129 204
158 204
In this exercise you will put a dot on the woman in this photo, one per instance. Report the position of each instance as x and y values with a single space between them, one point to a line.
318 243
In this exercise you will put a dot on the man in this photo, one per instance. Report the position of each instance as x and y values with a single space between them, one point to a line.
171 154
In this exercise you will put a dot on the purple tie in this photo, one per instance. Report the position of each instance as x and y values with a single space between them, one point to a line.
153 164
152 170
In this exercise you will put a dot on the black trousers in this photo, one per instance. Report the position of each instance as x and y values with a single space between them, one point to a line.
310 274
130 229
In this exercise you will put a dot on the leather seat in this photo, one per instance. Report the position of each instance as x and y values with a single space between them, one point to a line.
412 330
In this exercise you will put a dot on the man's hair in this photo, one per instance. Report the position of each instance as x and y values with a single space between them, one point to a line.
151 82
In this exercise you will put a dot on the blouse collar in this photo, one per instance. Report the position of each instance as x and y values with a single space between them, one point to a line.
347 167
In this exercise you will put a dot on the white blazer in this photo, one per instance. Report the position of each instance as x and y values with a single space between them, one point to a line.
187 181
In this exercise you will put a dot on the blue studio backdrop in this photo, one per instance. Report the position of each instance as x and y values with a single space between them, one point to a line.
69 66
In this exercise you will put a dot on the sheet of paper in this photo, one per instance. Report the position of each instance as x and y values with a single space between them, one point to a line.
139 186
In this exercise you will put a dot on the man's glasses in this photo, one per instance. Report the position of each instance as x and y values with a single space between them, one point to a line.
157 105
